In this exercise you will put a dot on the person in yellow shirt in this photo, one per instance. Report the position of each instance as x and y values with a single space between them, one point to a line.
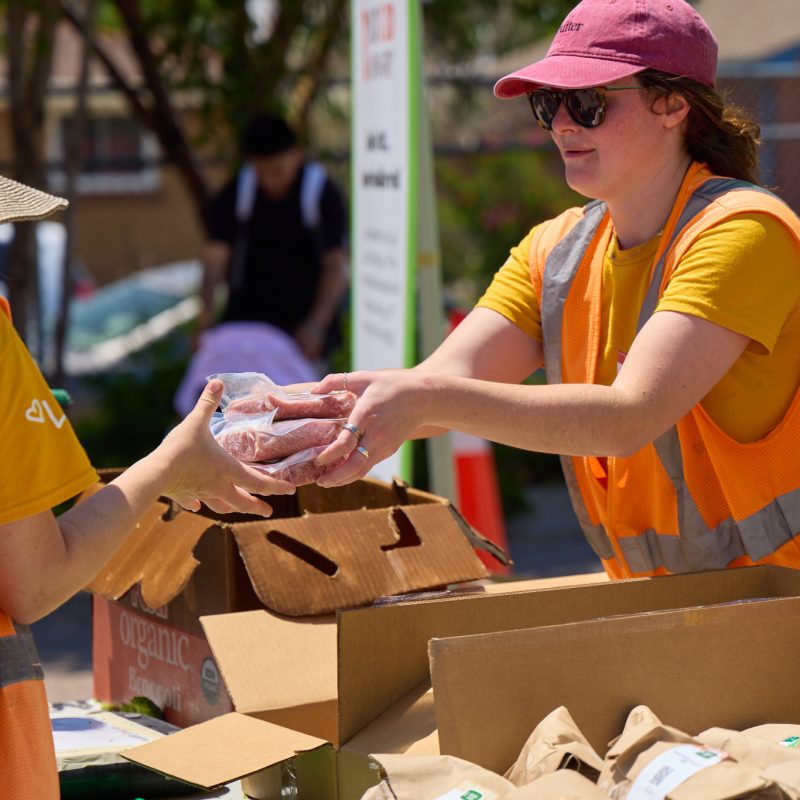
666 312
45 559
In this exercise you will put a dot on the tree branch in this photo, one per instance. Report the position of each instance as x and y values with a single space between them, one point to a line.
315 67
140 111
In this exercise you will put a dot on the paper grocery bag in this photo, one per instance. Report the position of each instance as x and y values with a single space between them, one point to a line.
435 778
785 734
654 761
760 751
449 778
556 743
565 784
775 748
786 775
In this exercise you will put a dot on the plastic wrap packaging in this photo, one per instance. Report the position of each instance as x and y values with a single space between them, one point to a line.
256 438
299 468
254 393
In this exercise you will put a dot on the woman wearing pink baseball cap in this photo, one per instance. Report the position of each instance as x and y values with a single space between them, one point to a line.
666 312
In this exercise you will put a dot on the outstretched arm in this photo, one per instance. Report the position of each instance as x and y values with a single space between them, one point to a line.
44 560
674 362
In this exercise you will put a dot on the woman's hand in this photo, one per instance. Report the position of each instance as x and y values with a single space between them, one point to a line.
390 408
198 470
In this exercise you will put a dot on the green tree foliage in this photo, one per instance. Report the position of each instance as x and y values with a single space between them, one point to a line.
239 57
456 30
487 203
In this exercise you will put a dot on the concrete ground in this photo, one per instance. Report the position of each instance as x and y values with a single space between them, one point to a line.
544 541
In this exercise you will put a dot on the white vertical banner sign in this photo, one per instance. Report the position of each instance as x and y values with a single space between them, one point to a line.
385 68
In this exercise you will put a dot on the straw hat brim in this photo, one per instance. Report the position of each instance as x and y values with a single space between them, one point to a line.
19 202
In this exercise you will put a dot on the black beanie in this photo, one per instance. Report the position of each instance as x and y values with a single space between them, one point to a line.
267 135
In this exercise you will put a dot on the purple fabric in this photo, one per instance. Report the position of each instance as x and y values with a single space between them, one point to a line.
602 41
243 347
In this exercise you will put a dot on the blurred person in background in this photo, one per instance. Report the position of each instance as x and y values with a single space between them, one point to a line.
277 241
666 312
45 559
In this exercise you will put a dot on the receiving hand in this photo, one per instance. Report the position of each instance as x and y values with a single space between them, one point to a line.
198 470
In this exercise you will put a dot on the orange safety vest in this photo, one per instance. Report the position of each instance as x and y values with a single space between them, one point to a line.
27 753
695 498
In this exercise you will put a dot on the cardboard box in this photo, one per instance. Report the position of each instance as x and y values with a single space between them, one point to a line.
321 550
315 686
729 665
136 652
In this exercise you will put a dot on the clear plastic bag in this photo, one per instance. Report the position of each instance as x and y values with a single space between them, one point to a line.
248 393
299 468
257 438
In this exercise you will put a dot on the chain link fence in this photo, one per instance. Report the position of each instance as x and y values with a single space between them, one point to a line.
770 91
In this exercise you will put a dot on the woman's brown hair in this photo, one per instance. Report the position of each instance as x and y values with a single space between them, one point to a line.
718 134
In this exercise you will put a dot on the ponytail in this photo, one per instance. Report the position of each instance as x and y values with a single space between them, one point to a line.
719 135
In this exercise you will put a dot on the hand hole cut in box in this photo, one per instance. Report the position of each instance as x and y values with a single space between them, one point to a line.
305 553
404 529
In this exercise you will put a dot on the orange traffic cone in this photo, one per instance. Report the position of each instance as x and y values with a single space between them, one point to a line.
478 493
477 489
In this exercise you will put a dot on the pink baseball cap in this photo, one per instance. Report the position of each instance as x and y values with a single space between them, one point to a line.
604 40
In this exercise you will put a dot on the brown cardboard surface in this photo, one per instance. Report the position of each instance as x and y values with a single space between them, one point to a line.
198 756
408 727
499 587
358 555
279 669
269 661
381 654
383 651
321 550
727 665
161 564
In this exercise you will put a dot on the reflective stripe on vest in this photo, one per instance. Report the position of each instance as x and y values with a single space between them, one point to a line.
560 270
19 660
697 547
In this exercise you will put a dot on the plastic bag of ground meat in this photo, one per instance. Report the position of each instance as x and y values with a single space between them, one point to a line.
298 469
255 393
256 438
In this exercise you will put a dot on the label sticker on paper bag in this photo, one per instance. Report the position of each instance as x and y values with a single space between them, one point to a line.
671 769
468 792
791 741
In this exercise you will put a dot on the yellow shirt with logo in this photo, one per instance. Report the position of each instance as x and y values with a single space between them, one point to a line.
43 463
743 274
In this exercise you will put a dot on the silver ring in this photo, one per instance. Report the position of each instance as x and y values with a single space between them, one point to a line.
354 430
344 381
363 450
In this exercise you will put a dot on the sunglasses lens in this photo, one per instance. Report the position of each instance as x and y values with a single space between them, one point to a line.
586 106
545 107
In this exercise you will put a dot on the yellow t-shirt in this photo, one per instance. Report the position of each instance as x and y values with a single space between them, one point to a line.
743 274
42 464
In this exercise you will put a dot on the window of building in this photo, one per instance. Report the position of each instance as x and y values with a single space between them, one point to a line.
119 157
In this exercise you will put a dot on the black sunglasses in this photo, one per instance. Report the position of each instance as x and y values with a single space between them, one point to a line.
586 106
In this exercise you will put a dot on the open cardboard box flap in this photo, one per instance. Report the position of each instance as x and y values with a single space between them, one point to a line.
271 664
728 665
321 550
198 755
354 557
